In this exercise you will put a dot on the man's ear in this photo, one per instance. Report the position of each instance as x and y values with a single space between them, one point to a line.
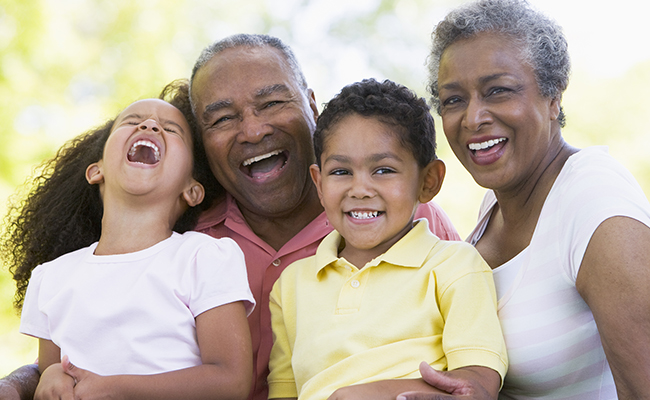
94 174
434 174
314 171
194 194
311 97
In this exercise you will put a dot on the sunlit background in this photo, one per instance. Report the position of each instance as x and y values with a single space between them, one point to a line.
68 65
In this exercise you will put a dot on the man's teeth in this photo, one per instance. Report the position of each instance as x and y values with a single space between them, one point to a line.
485 145
248 162
134 148
364 214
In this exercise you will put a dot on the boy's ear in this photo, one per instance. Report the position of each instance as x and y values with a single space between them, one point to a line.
434 174
94 174
314 171
194 194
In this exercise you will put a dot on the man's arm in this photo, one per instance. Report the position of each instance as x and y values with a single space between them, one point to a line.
20 384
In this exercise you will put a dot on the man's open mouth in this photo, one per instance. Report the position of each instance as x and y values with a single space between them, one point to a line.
261 166
144 152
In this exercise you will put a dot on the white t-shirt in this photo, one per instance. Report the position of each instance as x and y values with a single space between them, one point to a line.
134 313
553 343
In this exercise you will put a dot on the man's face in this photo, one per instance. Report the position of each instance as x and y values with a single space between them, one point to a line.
256 122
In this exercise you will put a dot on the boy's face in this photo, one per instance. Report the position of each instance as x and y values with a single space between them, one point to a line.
369 185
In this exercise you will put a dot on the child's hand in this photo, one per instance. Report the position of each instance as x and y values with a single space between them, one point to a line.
54 384
87 385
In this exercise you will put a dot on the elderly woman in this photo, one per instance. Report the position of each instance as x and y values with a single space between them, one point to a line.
566 231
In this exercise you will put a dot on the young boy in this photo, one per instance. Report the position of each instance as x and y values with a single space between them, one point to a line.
382 293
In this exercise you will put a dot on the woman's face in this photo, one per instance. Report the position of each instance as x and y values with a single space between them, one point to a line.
498 125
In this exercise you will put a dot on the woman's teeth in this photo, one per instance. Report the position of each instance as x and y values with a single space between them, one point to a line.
364 214
485 145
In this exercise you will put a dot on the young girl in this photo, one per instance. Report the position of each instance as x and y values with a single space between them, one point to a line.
121 291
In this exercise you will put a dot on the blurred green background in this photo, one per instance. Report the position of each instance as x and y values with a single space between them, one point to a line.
68 65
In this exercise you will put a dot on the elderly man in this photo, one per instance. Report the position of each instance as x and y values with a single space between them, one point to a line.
256 115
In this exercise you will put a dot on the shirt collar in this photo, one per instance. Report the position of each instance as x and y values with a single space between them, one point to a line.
410 251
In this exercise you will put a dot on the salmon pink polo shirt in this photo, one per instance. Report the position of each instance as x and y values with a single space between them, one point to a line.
264 265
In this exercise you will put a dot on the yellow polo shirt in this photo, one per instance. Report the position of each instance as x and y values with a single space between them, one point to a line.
425 299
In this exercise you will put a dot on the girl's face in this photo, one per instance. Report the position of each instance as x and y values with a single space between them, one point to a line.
369 185
148 151
496 121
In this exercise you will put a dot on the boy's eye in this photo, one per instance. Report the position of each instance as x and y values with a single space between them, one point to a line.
339 172
384 170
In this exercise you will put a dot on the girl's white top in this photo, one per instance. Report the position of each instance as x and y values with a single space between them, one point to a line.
134 313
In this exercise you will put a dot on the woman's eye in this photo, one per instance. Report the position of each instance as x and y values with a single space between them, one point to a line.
450 101
497 90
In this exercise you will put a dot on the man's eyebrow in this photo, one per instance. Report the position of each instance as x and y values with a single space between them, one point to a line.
272 89
216 106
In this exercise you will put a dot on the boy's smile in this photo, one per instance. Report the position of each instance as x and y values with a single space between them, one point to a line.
369 185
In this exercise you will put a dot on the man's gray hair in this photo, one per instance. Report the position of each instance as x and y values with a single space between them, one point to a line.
541 40
248 40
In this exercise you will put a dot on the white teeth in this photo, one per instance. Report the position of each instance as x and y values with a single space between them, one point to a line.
260 158
485 145
146 143
364 214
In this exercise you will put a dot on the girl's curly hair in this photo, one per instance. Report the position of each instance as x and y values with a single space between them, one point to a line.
57 211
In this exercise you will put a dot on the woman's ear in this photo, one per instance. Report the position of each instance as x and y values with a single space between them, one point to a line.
434 174
194 194
94 174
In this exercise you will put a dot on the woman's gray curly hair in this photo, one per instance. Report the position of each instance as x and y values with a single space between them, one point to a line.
541 40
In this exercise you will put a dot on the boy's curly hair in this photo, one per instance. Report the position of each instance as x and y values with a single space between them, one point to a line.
57 211
392 104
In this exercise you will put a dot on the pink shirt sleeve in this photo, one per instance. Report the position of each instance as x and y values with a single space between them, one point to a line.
439 222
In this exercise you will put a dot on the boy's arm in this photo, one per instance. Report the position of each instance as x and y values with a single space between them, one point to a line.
281 378
20 384
224 341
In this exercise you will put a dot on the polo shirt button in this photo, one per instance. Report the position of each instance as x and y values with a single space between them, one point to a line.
276 262
354 284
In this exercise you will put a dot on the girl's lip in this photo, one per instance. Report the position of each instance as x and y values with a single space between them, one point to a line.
147 137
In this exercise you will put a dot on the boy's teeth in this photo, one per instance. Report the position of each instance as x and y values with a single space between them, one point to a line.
485 145
248 162
364 214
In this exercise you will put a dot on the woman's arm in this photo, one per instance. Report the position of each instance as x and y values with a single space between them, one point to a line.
613 280
226 373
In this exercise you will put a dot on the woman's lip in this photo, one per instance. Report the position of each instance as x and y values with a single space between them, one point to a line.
489 155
